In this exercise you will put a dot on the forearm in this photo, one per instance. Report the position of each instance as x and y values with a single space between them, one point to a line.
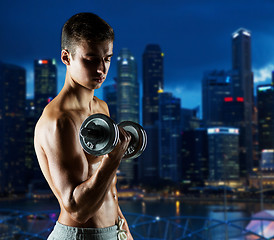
86 198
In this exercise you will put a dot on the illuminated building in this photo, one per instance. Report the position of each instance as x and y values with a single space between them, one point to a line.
12 128
223 152
30 157
148 167
267 160
216 88
189 119
194 157
233 111
153 81
110 97
33 171
127 87
242 80
169 135
45 83
265 103
127 103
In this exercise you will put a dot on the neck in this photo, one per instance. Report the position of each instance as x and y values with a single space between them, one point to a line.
79 96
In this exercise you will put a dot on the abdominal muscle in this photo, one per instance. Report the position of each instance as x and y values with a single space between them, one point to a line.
106 216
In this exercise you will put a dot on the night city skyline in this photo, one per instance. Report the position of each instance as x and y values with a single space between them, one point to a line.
188 72
194 36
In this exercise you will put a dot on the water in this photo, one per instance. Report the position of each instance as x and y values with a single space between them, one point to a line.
156 214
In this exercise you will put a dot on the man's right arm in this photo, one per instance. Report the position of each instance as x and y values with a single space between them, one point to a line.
68 170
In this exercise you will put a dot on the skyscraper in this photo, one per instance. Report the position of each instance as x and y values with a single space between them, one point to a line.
127 87
189 119
169 136
242 79
153 81
148 162
45 83
12 128
267 160
265 104
216 90
127 103
223 151
194 157
110 97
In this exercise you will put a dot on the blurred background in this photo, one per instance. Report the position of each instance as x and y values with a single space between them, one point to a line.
198 75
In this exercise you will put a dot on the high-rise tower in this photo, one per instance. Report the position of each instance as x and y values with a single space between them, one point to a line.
223 145
127 87
127 104
242 79
153 80
169 135
265 103
45 83
216 90
110 97
12 128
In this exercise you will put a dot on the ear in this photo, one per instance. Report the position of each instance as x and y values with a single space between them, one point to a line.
65 57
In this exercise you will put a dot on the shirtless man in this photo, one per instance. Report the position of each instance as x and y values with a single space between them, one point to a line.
84 185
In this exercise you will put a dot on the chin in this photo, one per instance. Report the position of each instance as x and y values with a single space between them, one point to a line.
96 86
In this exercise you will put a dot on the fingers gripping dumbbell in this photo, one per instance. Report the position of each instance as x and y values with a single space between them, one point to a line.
99 135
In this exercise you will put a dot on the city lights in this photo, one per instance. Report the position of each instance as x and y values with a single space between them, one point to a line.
125 62
43 61
223 130
228 99
265 88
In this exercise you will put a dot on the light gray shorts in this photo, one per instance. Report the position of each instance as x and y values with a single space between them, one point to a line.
63 232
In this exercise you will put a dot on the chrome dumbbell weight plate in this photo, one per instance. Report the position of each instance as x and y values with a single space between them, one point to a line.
138 140
98 134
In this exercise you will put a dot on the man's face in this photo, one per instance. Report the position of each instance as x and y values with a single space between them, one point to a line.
90 64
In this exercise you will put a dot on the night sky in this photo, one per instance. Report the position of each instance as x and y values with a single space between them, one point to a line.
195 36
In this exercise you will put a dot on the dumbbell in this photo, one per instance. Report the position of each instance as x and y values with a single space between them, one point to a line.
99 135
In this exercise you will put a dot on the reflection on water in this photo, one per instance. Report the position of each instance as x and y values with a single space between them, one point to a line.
177 208
161 218
143 207
163 208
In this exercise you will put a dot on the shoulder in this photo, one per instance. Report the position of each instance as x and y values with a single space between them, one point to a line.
53 124
102 105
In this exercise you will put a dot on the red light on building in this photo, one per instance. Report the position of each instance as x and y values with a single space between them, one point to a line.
43 61
239 99
228 99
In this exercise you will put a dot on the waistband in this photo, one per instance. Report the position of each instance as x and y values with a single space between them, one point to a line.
61 231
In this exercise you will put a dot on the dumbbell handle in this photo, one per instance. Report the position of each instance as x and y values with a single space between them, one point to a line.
94 134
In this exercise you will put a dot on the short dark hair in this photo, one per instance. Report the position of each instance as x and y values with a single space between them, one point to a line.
85 27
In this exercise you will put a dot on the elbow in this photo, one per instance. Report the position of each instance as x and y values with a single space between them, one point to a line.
77 213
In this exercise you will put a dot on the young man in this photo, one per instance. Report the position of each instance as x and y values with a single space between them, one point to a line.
84 185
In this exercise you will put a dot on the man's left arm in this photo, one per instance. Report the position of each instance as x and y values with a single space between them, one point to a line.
125 226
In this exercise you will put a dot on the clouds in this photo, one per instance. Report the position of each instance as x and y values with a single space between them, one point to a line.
264 74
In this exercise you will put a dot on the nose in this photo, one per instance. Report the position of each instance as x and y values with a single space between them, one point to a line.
101 68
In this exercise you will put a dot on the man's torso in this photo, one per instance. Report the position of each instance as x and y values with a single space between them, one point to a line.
107 214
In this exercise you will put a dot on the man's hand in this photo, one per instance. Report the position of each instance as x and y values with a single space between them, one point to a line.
120 149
